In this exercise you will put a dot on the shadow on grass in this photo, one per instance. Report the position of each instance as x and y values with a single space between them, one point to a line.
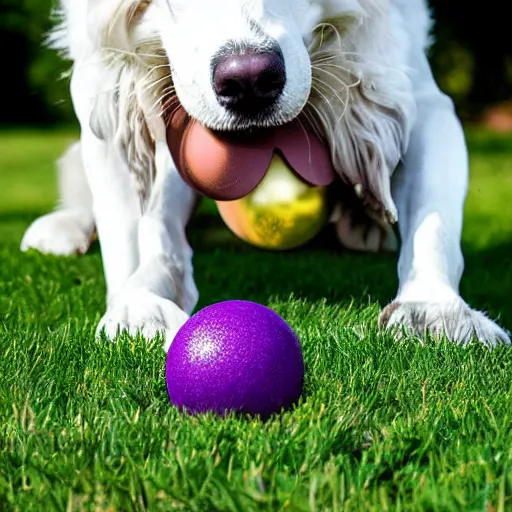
323 270
228 268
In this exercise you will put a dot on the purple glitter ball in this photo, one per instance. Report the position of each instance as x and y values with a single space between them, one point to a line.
235 356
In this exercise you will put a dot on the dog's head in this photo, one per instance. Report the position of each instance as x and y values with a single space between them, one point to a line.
239 64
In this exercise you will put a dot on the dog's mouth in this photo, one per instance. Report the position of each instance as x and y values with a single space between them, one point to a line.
229 165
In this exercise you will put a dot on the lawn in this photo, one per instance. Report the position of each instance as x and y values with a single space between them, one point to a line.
382 425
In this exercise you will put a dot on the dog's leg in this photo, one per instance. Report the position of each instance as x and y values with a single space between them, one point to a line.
145 255
116 207
146 258
161 293
430 190
69 229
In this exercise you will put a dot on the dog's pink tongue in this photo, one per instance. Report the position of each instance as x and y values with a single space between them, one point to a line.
227 168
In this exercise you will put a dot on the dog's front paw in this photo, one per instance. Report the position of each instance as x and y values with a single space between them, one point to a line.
142 312
453 319
61 233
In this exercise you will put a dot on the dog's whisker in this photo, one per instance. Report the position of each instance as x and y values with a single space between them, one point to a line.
119 51
145 79
157 107
333 90
170 107
313 121
330 55
162 99
336 66
343 84
344 102
321 42
167 92
155 83
325 100
319 114
307 138
146 86
326 25
338 79
160 66
152 56
323 65
137 53
164 90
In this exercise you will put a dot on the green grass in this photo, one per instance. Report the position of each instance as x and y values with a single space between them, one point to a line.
383 425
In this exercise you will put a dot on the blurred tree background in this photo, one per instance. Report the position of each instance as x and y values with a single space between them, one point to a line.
471 57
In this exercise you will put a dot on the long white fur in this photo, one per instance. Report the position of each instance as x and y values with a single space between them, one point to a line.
356 70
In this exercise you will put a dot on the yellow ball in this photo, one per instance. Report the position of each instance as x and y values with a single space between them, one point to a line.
281 213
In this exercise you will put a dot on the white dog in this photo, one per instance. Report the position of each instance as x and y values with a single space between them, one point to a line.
357 68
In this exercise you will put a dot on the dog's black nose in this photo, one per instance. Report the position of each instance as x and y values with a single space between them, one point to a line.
249 82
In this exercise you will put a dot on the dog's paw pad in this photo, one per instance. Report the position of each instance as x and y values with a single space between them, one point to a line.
455 320
61 233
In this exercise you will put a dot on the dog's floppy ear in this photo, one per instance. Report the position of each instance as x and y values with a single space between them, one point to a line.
124 114
110 21
363 100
